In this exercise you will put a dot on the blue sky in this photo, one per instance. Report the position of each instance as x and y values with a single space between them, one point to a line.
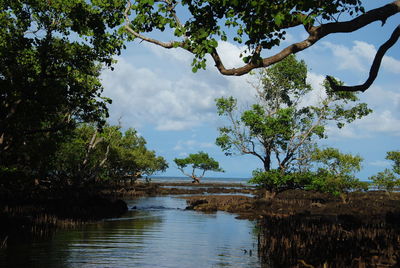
154 90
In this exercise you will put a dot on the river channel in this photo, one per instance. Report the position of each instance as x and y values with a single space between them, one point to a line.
155 232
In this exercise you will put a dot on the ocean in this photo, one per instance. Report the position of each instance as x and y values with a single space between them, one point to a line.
205 179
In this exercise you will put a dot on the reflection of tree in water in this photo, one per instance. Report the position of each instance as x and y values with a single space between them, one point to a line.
301 242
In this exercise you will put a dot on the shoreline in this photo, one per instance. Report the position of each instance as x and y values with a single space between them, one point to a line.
371 207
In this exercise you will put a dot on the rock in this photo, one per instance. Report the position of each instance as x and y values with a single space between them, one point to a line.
317 205
194 203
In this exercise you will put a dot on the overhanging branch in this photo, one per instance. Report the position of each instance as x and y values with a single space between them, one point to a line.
376 64
316 33
127 26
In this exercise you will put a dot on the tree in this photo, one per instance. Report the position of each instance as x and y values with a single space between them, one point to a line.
276 181
201 161
260 25
129 157
335 172
387 180
395 157
281 127
51 55
90 156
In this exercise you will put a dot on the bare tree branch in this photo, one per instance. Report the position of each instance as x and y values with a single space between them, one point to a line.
373 73
202 175
127 26
315 34
183 172
92 144
105 156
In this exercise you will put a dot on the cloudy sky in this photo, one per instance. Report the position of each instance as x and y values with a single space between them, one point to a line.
154 90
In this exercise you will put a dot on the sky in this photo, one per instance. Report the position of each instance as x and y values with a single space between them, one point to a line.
154 91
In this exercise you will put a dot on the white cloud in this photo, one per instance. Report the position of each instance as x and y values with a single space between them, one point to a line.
359 57
386 111
348 132
391 64
385 103
346 58
170 97
178 54
380 163
318 92
191 145
183 100
175 125
382 122
378 123
142 96
363 50
378 97
368 52
230 54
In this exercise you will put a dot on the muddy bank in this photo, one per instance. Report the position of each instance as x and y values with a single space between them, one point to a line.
298 241
372 207
23 221
181 188
308 229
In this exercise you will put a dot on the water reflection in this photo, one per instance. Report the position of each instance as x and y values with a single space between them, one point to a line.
158 233
322 242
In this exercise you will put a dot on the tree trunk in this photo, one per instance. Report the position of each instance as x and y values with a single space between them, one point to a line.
195 180
344 197
269 195
267 162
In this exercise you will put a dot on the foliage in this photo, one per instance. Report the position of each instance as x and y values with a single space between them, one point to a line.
253 23
276 181
51 55
197 26
395 157
387 180
201 161
281 125
335 172
90 156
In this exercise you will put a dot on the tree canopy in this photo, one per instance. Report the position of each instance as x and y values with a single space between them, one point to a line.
282 128
89 156
387 179
335 172
281 125
200 161
198 25
395 157
51 55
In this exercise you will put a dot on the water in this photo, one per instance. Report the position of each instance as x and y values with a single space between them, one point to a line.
158 233
204 180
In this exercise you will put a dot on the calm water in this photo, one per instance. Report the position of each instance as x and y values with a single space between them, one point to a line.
159 233
204 180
